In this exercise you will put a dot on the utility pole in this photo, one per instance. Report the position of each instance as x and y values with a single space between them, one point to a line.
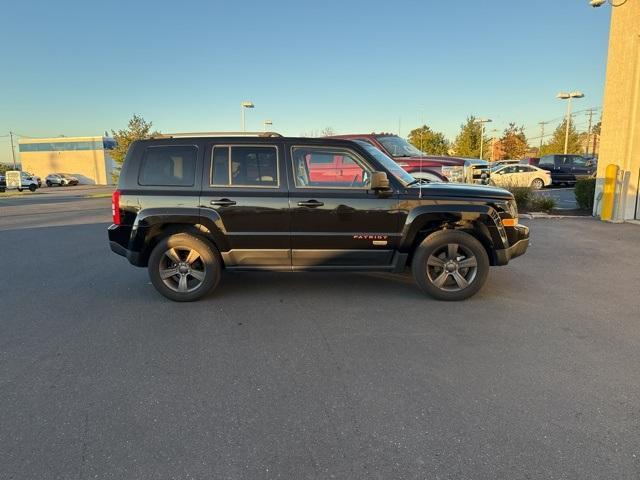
493 142
542 124
589 130
13 153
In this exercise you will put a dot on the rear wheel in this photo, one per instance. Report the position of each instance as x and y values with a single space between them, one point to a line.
48 182
450 265
184 268
19 189
537 184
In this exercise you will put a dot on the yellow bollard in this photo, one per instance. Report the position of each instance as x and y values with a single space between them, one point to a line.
609 191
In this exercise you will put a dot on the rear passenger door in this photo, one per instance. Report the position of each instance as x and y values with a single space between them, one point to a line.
245 185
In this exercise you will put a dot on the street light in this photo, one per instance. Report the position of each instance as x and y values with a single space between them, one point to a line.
267 123
568 96
243 105
482 121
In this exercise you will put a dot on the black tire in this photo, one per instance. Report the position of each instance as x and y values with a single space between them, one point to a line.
20 189
32 188
208 265
471 251
537 184
48 183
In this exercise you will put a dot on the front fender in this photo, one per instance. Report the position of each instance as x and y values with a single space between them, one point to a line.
432 217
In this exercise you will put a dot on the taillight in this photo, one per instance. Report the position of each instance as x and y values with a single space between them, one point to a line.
115 207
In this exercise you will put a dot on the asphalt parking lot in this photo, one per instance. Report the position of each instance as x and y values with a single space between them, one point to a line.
315 375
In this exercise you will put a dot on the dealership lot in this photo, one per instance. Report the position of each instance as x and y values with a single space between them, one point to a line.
315 375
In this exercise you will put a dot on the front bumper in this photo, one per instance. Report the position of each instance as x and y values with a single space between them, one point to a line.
517 248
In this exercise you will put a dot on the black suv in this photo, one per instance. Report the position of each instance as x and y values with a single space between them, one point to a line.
567 168
188 207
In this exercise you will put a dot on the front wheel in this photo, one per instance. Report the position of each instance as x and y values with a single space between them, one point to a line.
32 188
20 189
184 268
450 265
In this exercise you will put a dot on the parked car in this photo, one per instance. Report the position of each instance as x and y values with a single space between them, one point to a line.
411 159
567 168
35 177
520 176
187 207
60 179
27 181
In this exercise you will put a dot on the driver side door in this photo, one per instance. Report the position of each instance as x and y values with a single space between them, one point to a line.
336 220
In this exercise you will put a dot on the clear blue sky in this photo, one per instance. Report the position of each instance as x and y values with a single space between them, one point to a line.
80 68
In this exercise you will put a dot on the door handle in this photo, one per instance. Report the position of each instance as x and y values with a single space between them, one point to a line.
224 202
310 203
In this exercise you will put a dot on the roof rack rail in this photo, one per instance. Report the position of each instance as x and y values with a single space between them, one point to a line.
217 134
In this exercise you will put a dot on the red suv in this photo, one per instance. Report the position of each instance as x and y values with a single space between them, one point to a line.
411 159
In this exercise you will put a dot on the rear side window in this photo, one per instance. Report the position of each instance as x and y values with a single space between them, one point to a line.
546 160
168 166
244 166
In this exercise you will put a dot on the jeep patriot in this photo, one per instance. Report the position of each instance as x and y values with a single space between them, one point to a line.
189 206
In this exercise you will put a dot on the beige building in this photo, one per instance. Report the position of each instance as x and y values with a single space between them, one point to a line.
86 158
620 137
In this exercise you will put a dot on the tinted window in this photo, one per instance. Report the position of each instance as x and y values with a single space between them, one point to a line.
579 161
220 166
61 146
168 166
344 171
547 160
245 166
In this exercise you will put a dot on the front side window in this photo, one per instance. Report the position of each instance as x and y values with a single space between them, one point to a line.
322 167
244 166
579 161
388 163
171 166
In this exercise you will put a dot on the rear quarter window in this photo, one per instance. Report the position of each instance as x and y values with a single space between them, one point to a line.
168 166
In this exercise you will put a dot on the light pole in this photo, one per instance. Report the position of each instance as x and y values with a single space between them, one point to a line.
568 96
243 105
267 123
482 121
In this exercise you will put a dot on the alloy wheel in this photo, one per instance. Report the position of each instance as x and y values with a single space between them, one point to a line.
452 267
182 269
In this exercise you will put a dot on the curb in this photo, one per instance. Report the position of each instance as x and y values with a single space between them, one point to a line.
537 215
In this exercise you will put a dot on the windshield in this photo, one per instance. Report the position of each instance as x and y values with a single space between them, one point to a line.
391 166
399 147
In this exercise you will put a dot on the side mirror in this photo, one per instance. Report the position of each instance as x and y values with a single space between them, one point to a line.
379 181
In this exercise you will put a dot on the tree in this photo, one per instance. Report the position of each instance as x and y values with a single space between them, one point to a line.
430 142
327 132
467 142
514 142
137 129
556 143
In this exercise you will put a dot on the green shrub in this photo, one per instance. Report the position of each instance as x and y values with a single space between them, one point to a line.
523 196
584 192
530 201
542 203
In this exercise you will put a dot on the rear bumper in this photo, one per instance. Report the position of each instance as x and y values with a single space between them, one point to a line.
119 241
519 247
